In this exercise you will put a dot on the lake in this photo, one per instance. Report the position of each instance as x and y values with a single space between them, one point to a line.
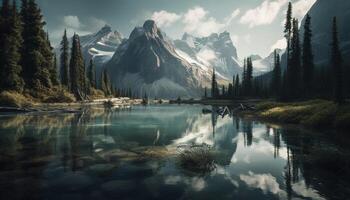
134 153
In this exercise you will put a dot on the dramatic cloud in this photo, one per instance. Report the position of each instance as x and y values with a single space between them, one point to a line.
197 22
301 7
233 16
164 18
264 14
71 21
280 44
74 25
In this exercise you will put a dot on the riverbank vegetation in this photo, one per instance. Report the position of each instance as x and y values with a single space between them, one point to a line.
30 70
295 76
314 113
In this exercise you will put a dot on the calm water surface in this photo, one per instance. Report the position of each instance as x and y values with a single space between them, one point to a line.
133 154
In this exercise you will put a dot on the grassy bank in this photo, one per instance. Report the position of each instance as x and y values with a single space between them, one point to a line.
55 95
316 113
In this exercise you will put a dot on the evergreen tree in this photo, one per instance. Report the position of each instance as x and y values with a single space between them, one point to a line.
237 86
10 43
276 75
307 57
244 78
249 78
106 84
91 74
53 67
77 69
294 69
336 63
205 93
64 61
288 31
37 57
214 86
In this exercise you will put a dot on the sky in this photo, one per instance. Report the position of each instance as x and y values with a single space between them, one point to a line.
256 26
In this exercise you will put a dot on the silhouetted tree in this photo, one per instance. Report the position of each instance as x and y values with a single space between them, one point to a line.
92 74
77 69
276 75
307 58
10 44
336 63
64 61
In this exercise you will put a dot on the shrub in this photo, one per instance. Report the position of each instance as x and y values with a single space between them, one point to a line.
14 99
96 94
197 159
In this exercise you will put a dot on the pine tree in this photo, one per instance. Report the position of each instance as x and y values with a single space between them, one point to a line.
294 69
276 75
249 74
214 86
91 74
205 93
288 31
64 61
244 78
10 43
37 56
106 84
53 67
336 63
237 86
77 69
307 58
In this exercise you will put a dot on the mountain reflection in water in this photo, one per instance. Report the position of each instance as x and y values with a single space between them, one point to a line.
132 154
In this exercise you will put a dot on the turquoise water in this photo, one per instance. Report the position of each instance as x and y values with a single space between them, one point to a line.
134 154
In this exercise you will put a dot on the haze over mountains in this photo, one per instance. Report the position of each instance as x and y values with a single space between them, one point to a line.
150 62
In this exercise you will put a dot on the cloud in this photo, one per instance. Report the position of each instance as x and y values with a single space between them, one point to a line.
74 25
301 7
71 21
265 182
233 16
164 18
197 22
264 14
280 44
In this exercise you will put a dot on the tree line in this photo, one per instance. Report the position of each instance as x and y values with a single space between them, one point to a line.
301 79
28 63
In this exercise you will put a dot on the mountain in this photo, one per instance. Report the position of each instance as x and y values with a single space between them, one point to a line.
215 51
264 65
100 46
322 13
148 63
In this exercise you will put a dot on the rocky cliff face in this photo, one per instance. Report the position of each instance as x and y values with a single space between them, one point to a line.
100 46
216 51
148 63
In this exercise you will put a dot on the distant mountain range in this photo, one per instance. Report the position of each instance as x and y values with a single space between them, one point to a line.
148 63
101 46
216 51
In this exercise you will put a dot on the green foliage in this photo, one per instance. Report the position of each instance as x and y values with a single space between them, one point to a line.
10 44
316 113
37 56
64 61
77 69
92 74
307 58
336 63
